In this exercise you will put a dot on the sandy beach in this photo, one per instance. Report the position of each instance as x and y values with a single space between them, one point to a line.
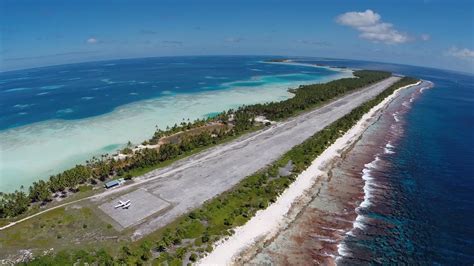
37 150
191 181
266 224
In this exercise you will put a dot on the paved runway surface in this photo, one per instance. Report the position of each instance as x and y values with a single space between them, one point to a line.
191 181
143 204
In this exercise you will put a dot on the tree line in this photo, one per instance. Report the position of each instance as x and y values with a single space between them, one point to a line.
218 216
104 167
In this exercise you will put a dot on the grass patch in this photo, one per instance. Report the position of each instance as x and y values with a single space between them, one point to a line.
59 229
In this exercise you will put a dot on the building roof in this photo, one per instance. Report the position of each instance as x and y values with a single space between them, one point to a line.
112 183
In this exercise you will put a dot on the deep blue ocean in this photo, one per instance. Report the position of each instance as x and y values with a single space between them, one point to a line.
45 112
88 89
430 208
432 168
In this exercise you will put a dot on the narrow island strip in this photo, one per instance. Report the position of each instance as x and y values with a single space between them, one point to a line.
266 223
191 236
168 146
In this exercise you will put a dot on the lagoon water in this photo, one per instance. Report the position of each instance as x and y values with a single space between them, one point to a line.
54 117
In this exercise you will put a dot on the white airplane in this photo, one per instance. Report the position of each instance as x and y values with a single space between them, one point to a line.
122 204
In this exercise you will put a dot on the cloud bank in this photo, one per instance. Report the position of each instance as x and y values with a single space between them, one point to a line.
465 53
371 27
91 40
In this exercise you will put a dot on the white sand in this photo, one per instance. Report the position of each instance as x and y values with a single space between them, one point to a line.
268 222
39 150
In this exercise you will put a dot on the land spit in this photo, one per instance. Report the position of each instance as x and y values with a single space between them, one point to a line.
267 224
188 183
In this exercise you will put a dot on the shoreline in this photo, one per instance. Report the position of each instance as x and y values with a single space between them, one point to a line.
267 223
53 135
294 63
324 222
303 127
371 188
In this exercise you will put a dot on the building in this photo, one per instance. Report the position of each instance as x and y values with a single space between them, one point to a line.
263 120
114 183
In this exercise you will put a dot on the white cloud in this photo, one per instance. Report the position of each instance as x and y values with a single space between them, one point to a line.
461 53
91 40
359 19
425 37
371 27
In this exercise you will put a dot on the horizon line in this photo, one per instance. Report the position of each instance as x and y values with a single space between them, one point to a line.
233 55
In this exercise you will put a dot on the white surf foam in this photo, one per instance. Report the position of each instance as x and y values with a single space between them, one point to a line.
389 148
22 106
268 222
51 87
358 223
343 251
65 111
17 89
395 116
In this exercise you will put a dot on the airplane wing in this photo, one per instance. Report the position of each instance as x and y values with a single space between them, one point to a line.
120 204
123 204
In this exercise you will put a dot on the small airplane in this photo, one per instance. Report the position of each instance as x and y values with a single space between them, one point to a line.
123 204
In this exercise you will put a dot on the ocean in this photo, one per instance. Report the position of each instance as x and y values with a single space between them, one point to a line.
415 165
404 193
52 118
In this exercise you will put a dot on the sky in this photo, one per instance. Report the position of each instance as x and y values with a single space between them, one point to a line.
431 33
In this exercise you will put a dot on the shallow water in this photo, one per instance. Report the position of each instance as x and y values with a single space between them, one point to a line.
64 115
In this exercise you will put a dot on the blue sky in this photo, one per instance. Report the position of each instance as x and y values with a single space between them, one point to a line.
428 33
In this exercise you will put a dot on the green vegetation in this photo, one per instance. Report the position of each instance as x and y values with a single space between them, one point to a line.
308 96
143 170
60 228
240 121
192 235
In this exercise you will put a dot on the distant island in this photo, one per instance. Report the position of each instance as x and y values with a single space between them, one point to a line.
287 60
279 60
